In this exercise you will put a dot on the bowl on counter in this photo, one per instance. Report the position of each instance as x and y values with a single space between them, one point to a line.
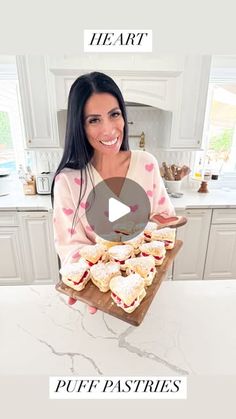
173 186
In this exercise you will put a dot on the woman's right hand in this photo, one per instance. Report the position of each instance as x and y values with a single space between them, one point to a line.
91 309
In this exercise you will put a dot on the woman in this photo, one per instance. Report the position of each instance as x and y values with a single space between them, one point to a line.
96 148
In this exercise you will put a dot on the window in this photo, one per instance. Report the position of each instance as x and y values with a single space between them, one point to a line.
221 139
220 123
11 131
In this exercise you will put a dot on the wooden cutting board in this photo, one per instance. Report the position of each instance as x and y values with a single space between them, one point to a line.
103 301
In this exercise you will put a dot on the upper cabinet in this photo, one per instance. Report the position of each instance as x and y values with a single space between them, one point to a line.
177 87
191 99
38 102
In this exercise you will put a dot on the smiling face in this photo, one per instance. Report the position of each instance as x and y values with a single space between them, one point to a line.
104 123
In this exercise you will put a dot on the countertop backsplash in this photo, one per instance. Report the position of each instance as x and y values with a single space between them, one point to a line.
44 160
147 120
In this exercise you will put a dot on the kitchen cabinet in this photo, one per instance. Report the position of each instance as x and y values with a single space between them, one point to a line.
180 92
41 261
209 245
191 259
221 260
11 266
177 87
37 91
27 248
188 116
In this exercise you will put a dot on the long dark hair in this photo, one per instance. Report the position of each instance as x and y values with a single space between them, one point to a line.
78 152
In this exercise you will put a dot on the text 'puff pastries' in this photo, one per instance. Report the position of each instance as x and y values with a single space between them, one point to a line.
155 249
166 235
102 273
127 292
93 253
76 275
120 254
144 266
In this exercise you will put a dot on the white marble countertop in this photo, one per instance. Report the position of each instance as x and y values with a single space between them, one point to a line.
216 198
189 329
16 200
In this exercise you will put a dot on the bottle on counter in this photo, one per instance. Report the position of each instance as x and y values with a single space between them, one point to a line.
207 175
207 171
22 174
199 170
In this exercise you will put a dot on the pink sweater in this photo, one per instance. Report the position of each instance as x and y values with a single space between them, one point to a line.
143 169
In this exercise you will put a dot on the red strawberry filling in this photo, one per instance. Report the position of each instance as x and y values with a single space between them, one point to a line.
120 302
122 262
91 263
156 257
81 279
167 242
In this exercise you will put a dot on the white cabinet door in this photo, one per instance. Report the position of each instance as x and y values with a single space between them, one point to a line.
11 262
221 255
188 119
186 122
189 263
40 257
38 101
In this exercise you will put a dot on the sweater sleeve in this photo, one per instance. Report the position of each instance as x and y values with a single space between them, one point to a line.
161 203
68 238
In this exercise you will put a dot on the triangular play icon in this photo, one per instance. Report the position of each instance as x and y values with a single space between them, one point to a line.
116 209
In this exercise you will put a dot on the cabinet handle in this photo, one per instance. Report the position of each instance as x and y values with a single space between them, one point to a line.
36 216
199 213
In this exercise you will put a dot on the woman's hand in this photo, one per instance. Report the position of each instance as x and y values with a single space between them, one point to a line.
91 310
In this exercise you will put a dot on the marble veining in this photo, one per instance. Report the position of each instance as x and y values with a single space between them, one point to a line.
189 329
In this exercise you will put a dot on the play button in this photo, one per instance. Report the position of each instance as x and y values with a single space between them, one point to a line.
116 209
117 205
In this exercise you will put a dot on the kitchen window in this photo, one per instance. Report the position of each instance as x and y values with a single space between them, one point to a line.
11 126
219 139
221 144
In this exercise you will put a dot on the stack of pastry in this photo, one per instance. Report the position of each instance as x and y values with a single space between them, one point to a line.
102 273
135 243
144 266
151 226
121 265
155 249
120 253
165 235
76 275
93 253
128 292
